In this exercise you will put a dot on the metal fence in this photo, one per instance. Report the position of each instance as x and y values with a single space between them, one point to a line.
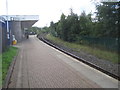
3 36
108 43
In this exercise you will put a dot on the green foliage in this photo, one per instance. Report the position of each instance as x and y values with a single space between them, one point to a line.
34 29
85 24
63 27
7 58
106 55
53 28
107 15
72 28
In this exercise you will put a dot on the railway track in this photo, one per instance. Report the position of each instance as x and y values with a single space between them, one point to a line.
81 59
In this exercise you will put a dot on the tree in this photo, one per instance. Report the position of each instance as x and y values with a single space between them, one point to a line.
107 15
53 28
63 28
73 27
34 29
85 24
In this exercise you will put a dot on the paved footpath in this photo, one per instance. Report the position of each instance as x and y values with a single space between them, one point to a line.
41 66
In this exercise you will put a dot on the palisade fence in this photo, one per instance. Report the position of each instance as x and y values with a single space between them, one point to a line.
107 43
3 36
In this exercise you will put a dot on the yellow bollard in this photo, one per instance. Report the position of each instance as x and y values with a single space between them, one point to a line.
14 42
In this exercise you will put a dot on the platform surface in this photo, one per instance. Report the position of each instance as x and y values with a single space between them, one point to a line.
40 66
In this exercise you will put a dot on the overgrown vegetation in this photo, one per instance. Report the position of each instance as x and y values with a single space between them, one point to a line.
7 58
101 31
106 55
105 24
93 35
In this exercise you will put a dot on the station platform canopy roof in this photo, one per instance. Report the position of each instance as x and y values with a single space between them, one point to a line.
26 20
2 19
21 17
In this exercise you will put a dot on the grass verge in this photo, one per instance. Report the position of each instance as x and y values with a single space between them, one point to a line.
7 58
106 55
0 71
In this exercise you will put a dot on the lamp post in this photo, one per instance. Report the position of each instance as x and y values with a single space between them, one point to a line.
7 23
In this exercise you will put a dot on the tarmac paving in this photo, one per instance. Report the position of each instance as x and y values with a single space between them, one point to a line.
41 66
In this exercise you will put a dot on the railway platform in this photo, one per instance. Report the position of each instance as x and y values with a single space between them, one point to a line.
40 66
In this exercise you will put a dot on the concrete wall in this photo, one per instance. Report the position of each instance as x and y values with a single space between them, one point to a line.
18 23
17 26
16 30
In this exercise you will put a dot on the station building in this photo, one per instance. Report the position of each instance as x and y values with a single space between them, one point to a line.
16 24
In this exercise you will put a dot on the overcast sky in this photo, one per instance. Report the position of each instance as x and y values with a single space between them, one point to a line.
48 10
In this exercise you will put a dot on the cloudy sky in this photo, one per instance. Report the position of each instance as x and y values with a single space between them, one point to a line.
48 10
